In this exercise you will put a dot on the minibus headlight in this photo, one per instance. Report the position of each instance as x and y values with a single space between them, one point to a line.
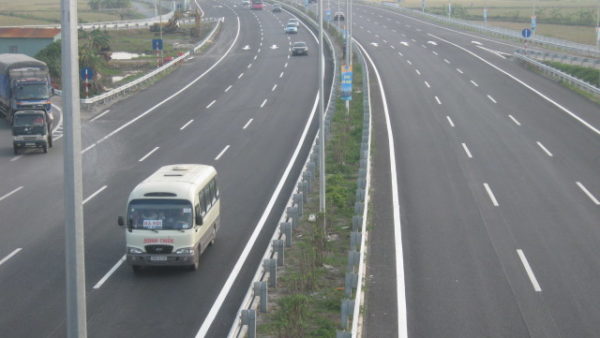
185 251
134 250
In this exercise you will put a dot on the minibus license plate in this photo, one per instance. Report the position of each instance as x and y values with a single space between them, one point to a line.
158 258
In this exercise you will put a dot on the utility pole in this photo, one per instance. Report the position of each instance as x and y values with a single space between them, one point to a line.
74 245
160 29
322 187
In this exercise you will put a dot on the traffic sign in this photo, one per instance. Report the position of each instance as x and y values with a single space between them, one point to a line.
328 15
526 33
157 44
346 82
86 73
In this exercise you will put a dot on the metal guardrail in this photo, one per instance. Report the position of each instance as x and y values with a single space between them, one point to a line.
563 58
255 300
519 54
104 97
570 46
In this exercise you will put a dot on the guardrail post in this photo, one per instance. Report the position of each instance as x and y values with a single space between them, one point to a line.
249 318
270 265
343 334
355 238
351 281
353 259
286 228
299 201
358 207
292 212
346 313
356 222
260 290
278 246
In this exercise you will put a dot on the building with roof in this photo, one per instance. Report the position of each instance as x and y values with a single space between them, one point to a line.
26 40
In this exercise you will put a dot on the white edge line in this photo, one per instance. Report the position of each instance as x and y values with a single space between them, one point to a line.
400 283
100 115
491 194
93 195
10 193
544 149
10 255
588 193
247 124
109 273
221 153
467 150
187 124
534 282
149 153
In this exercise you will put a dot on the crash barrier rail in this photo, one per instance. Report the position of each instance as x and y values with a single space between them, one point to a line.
570 46
256 298
555 73
563 58
135 84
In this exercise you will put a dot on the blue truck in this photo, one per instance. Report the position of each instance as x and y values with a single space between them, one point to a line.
24 82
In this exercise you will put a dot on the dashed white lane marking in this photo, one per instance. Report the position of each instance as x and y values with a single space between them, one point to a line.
588 193
274 87
392 47
467 150
435 53
240 76
285 66
491 98
446 61
93 195
408 61
534 282
249 66
400 53
247 124
10 255
109 273
15 158
474 83
491 194
459 70
417 71
450 121
281 75
427 84
221 153
211 104
227 89
150 153
544 149
100 115
255 57
514 120
10 193
438 100
187 124
263 103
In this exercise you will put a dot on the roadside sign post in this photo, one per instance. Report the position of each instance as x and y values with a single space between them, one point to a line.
346 83
526 33
157 46
533 24
485 16
86 73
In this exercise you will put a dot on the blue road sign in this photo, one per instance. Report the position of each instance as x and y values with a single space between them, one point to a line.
526 33
346 83
157 44
328 15
86 73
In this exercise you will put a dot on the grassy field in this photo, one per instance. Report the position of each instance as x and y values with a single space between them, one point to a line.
32 12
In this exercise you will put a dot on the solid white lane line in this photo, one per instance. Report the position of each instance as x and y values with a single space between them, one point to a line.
263 103
247 124
210 104
227 89
221 153
435 53
187 124
240 76
588 193
93 195
544 149
491 193
474 83
446 61
438 100
418 72
150 153
491 98
450 121
467 150
10 193
100 115
281 75
400 283
427 84
459 70
10 255
88 148
534 282
515 120
109 273
274 87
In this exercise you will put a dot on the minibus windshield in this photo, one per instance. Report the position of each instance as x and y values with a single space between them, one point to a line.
160 214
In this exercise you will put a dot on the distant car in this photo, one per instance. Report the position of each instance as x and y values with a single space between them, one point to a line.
276 9
245 3
339 16
291 29
299 48
293 21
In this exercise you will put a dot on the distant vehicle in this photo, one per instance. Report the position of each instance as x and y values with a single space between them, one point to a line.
339 16
299 48
172 216
24 82
291 29
293 21
245 2
276 9
257 4
32 128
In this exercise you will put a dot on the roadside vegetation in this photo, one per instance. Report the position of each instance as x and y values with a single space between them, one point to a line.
587 74
307 300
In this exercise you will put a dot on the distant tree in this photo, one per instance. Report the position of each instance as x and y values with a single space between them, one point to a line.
51 55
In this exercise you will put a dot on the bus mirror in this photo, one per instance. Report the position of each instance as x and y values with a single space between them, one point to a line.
120 221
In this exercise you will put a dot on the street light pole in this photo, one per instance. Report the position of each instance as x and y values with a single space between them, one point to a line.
322 188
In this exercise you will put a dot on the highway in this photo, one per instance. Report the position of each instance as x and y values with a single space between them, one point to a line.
244 106
498 181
